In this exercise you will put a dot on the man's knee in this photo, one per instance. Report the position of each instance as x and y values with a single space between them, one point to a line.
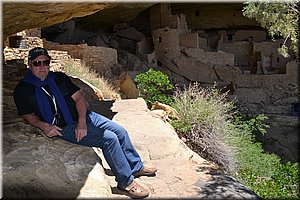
109 138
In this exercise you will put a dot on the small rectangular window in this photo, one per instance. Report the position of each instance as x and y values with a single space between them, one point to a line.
230 37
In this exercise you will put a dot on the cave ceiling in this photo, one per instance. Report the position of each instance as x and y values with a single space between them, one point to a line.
22 15
110 16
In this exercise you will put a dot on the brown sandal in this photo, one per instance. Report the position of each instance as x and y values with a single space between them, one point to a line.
146 171
136 191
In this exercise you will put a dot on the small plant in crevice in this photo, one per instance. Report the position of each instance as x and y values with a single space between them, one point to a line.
154 86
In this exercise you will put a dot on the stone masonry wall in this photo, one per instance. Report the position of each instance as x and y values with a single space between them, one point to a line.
269 49
217 58
16 60
75 51
34 42
15 53
34 32
239 49
257 36
155 16
189 40
100 59
274 95
166 42
203 43
181 24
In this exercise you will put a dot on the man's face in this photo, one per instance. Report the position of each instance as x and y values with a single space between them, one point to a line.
40 66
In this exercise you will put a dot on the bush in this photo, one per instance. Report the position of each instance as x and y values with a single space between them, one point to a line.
262 172
250 153
204 115
218 133
282 184
153 86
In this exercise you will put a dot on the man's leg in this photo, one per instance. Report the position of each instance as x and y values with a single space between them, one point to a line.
130 153
112 151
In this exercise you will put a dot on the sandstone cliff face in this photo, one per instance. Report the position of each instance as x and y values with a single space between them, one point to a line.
21 16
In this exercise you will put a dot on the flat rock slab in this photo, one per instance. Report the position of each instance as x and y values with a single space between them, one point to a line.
37 167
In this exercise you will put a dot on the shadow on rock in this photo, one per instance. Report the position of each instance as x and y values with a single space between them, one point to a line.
225 187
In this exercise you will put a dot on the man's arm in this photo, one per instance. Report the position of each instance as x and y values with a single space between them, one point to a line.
49 129
81 129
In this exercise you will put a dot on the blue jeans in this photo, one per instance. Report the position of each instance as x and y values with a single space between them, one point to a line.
115 143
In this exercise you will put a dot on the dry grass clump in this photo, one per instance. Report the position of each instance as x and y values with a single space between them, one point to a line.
82 72
207 142
205 123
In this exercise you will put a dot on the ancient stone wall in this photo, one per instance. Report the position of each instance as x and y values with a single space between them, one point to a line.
168 20
15 53
166 42
155 16
181 24
254 35
100 59
34 42
16 60
269 50
271 93
30 38
76 51
215 58
215 16
203 43
275 95
212 42
240 50
189 40
16 57
34 32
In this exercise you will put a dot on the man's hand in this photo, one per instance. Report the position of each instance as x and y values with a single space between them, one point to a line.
51 130
80 131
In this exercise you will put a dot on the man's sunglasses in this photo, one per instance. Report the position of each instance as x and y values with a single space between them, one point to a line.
38 63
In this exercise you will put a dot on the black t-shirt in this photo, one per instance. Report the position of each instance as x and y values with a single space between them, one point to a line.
25 98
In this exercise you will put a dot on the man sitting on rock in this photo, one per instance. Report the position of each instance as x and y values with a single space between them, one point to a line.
51 102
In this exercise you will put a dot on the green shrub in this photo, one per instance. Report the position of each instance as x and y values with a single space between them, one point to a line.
218 133
204 114
254 125
153 86
203 106
262 172
269 178
250 153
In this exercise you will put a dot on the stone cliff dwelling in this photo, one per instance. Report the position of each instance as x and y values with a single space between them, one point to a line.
180 40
